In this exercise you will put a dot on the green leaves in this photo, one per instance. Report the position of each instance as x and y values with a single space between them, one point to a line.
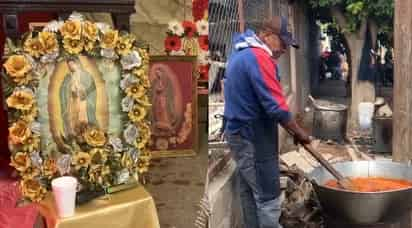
355 11
355 8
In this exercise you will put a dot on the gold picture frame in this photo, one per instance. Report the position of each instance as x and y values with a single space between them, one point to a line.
182 77
77 105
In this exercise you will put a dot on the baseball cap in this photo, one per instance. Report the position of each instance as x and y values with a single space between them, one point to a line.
279 25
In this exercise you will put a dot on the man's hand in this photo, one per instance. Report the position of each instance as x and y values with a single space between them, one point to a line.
299 135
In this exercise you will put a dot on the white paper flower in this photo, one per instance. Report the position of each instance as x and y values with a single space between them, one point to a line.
102 26
131 60
49 58
178 53
23 89
134 154
53 26
127 81
176 28
63 163
75 16
127 104
36 159
108 53
116 144
203 57
202 27
123 176
35 127
130 134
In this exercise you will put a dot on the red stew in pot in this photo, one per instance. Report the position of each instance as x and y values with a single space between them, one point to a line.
373 184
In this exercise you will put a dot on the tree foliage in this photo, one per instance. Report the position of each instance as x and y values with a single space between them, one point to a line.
356 11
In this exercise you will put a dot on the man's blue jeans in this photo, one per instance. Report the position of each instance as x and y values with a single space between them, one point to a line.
257 213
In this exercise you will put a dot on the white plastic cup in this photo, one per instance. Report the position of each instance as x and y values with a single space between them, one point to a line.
64 191
365 114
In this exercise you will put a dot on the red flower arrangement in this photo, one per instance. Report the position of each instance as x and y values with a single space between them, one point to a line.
173 43
190 28
199 7
204 42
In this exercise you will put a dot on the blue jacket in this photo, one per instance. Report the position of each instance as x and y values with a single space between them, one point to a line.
252 88
255 104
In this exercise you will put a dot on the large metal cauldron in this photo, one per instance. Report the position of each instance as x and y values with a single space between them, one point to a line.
359 207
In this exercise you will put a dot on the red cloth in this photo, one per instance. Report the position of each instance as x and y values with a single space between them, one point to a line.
10 215
23 22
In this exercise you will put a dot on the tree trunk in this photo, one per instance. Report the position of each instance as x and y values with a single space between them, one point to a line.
361 91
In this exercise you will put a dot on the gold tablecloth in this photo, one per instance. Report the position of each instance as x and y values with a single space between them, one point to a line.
133 208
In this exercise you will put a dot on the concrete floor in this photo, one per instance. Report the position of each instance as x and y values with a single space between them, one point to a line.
177 185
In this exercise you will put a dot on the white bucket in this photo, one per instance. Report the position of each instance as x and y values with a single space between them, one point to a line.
365 114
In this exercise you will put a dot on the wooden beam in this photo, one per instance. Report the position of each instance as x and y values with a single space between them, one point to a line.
241 14
402 92
119 9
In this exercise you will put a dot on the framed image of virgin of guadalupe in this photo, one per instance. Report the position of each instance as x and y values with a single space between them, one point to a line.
78 101
174 128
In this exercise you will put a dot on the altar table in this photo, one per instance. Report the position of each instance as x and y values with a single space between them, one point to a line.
133 208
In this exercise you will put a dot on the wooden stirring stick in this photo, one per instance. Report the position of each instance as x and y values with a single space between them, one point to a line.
343 182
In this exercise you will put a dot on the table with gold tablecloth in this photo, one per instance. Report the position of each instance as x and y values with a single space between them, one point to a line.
133 208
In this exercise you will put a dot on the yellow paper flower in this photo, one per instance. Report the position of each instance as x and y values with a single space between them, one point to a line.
144 135
95 175
21 100
30 115
135 91
139 72
49 168
144 101
90 31
30 172
144 54
94 137
142 142
109 39
126 160
32 143
73 46
17 66
71 29
34 47
124 45
145 82
98 156
81 159
143 164
20 161
89 46
19 132
49 42
32 189
137 113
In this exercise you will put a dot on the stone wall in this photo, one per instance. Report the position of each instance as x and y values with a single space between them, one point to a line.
150 22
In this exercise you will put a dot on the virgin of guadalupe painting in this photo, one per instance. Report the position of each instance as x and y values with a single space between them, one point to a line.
77 99
167 101
78 96
174 117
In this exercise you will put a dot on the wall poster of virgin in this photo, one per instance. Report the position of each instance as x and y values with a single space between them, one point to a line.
174 106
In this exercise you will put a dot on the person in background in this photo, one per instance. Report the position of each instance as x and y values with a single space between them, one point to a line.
254 106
